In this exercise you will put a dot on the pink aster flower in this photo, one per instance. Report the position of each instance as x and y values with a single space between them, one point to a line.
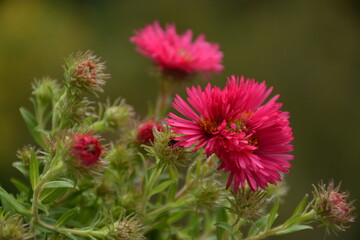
176 52
86 149
251 137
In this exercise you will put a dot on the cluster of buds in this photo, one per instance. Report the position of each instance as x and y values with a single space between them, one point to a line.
85 71
332 206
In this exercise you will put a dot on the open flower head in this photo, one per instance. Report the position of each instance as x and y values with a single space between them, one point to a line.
176 53
249 136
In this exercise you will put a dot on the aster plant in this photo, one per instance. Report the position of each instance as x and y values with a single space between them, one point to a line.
212 167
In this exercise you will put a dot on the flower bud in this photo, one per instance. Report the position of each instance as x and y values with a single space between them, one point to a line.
12 228
332 206
145 133
45 89
118 115
163 149
85 71
247 203
86 149
208 193
128 228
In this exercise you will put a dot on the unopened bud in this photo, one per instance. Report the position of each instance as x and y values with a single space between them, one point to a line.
45 89
85 71
86 149
145 133
208 193
12 228
128 228
118 115
332 206
247 203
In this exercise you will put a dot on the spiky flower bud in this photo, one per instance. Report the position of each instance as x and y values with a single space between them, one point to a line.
145 133
163 149
118 115
26 153
120 157
208 193
332 206
45 89
85 71
247 203
86 149
128 228
12 228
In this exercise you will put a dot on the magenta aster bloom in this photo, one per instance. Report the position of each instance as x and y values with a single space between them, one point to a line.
173 52
249 136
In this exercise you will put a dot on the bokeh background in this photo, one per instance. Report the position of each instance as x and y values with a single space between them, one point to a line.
308 49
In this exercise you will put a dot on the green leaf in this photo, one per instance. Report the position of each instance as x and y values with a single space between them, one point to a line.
221 216
176 217
65 183
259 226
67 216
69 235
21 187
161 187
293 228
225 226
273 214
296 215
34 170
18 207
49 195
31 123
22 168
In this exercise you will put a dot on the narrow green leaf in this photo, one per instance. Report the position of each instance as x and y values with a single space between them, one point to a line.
22 168
69 235
5 196
21 187
296 215
65 183
258 226
31 123
221 216
34 170
49 195
161 187
293 228
225 226
67 216
41 206
176 217
273 214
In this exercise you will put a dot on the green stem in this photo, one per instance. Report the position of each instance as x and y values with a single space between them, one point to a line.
56 109
304 217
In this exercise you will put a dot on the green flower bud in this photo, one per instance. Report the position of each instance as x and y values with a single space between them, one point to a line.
12 228
45 89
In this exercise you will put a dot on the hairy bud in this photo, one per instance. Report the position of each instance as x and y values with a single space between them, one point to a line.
332 206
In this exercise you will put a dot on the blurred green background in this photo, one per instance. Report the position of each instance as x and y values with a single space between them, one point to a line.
308 49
